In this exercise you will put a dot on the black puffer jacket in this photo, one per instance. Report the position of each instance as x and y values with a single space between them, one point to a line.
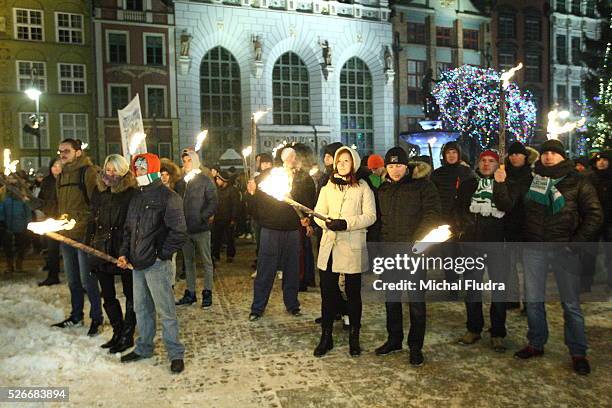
48 196
408 209
447 180
200 201
472 227
154 226
109 207
602 180
229 204
579 220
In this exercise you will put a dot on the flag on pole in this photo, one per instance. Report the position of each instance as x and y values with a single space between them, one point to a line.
133 139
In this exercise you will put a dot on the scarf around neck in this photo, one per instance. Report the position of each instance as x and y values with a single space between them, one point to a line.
482 199
147 179
543 188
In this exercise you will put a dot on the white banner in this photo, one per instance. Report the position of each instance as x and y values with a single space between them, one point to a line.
133 139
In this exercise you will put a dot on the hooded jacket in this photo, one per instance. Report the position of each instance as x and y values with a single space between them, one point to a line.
200 202
154 226
447 180
173 171
72 199
579 220
109 208
355 204
409 208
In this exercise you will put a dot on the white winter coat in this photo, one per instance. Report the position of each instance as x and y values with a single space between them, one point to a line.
356 205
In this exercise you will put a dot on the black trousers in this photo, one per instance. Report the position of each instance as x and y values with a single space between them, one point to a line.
14 243
473 305
53 258
395 323
331 297
223 231
109 293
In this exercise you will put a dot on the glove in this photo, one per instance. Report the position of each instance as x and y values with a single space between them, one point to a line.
336 225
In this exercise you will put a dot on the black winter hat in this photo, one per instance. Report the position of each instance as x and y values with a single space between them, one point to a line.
331 148
396 155
451 146
224 175
553 145
518 148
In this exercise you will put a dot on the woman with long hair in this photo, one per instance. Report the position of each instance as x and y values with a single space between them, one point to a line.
349 204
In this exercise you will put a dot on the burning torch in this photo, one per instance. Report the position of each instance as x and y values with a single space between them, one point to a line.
505 83
246 152
49 228
435 236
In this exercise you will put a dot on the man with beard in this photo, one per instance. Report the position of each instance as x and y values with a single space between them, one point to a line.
560 207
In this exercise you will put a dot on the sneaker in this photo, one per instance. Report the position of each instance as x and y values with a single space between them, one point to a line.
254 274
241 236
249 236
206 298
581 365
279 274
497 343
188 298
69 322
253 317
132 356
177 366
94 328
388 348
416 358
528 352
296 312
469 338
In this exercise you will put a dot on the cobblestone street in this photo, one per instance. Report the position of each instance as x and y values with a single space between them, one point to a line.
231 362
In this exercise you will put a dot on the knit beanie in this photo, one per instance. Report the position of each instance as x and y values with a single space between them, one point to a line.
489 153
518 148
375 161
553 145
396 155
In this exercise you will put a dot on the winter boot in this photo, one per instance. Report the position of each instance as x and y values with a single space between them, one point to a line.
206 298
188 298
115 316
129 327
117 330
325 344
354 347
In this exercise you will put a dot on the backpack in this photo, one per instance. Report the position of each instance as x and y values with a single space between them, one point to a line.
80 184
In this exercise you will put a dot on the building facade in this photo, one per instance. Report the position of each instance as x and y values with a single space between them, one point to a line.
434 35
45 44
135 55
520 29
320 69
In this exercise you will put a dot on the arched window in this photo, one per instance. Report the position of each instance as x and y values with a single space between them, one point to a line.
357 127
220 101
290 91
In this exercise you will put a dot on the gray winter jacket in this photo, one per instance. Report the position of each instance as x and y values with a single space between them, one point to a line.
200 202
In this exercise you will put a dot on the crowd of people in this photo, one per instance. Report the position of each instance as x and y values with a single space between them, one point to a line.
146 211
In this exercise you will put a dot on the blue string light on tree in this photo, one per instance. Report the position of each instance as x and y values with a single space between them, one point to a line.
468 99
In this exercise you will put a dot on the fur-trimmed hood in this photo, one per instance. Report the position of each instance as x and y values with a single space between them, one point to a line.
533 157
126 182
173 170
417 170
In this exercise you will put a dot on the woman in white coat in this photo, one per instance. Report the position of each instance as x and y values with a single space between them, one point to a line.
349 205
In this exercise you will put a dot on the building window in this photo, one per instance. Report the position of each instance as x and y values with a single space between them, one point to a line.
117 48
113 148
506 26
133 5
533 31
561 49
156 97
576 100
576 7
533 63
164 150
576 52
417 33
590 8
72 78
220 101
290 91
29 24
154 49
74 126
29 141
440 67
443 36
561 6
416 71
31 74
562 96
506 59
356 112
69 28
119 98
470 39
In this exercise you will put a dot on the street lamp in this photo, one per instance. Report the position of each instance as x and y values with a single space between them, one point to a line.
34 94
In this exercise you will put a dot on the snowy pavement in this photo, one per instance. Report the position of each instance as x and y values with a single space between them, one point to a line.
231 362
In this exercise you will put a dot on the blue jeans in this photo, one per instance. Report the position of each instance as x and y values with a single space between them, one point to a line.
566 267
279 250
153 290
201 240
81 280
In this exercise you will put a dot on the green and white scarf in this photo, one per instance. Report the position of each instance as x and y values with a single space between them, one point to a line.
147 179
482 200
543 191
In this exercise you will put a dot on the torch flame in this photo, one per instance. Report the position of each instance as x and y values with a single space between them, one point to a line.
200 139
436 235
279 146
51 225
276 184
314 170
555 128
506 76
260 114
137 139
246 152
9 166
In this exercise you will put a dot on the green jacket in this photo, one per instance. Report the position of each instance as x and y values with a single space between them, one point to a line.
71 198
